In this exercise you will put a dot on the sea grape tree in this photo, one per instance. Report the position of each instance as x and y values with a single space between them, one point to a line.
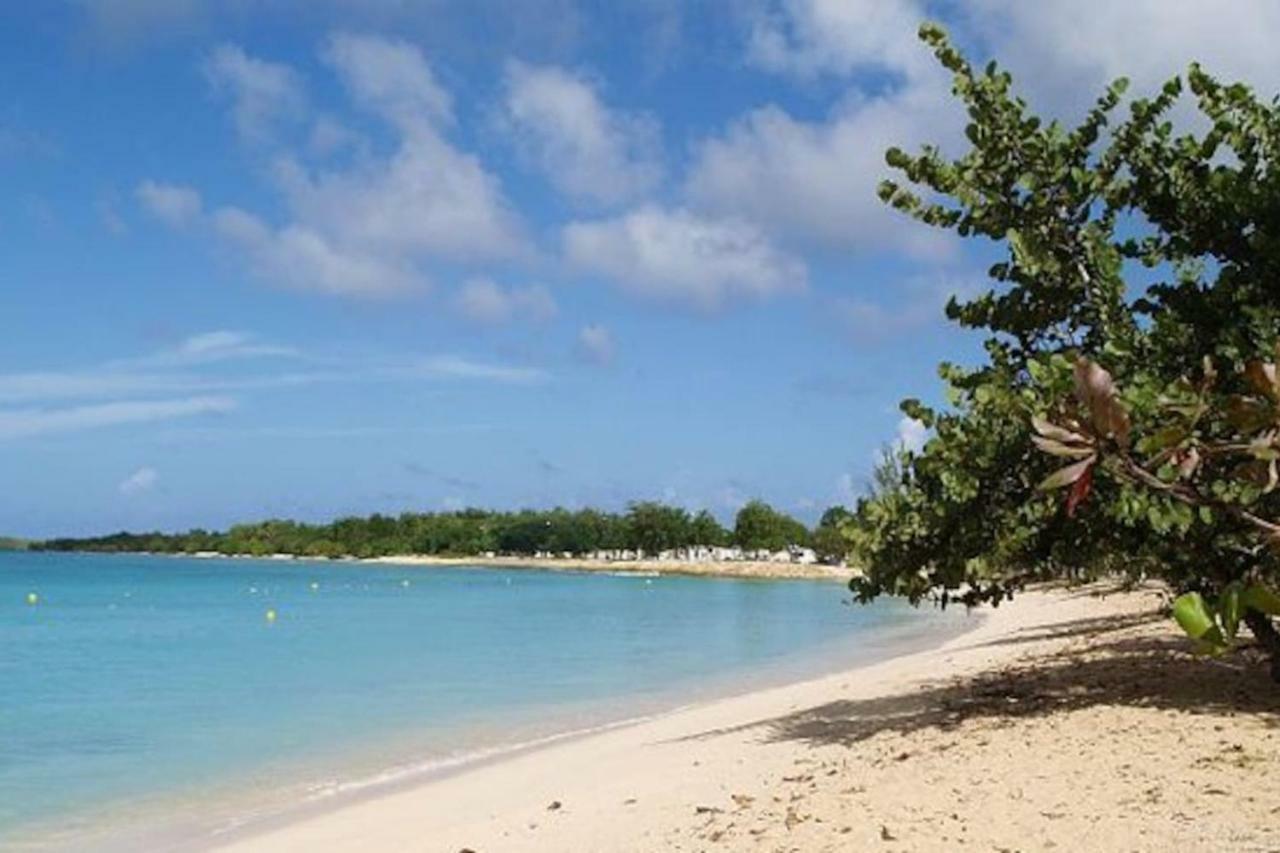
1126 417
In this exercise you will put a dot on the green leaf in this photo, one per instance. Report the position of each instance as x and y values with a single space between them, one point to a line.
1194 617
1230 608
1261 598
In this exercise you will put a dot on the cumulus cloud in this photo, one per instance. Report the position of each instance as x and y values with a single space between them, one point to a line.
172 204
680 257
815 181
142 480
427 199
22 423
391 77
484 301
304 259
1063 53
588 151
368 227
595 345
263 94
810 37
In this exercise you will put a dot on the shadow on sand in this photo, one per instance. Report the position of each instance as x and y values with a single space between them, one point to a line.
1110 661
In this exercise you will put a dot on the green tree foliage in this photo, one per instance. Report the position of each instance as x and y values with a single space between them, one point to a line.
706 530
760 527
646 527
1113 426
829 536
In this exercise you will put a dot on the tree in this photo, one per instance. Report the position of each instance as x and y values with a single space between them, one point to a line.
705 530
829 537
1157 398
655 527
760 527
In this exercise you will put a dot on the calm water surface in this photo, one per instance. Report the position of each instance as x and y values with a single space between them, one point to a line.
146 686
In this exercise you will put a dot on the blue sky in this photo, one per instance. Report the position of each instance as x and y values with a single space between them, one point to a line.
263 257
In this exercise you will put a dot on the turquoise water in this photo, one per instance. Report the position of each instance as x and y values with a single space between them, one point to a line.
146 686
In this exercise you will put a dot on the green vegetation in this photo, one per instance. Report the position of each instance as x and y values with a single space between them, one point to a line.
10 543
645 527
1129 330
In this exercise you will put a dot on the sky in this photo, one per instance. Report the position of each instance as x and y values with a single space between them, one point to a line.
265 258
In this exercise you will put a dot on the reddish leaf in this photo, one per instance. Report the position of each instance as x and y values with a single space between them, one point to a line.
1079 492
1068 475
1262 376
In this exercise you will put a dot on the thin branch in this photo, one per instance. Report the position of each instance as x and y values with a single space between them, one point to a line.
1134 472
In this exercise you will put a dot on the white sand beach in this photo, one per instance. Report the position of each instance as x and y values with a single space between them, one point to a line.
1069 719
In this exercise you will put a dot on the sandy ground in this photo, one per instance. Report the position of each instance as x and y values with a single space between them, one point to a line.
1063 721
712 568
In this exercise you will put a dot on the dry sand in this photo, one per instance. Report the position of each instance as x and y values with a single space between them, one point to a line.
1063 721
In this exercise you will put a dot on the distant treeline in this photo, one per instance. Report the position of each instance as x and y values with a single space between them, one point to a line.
645 527
9 543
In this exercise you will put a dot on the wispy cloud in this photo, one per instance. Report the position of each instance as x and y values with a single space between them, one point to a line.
174 205
142 480
595 345
189 368
22 423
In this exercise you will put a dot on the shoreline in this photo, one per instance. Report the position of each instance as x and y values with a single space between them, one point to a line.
736 569
861 757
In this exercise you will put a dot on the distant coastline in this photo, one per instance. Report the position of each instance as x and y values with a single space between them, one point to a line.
648 537
741 569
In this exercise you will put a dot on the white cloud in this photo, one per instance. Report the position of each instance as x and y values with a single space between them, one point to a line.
809 37
366 228
680 257
263 93
588 151
427 199
487 302
391 77
916 302
197 366
174 205
223 344
595 345
456 367
304 259
142 480
911 435
20 423
1063 53
815 181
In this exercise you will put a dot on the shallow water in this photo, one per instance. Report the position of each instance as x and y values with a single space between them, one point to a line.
139 687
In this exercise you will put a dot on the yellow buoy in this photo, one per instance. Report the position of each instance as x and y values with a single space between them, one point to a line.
271 615
32 598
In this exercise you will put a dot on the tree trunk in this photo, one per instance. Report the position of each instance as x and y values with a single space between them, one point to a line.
1267 636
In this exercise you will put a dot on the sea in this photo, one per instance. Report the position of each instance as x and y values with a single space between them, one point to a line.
157 702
